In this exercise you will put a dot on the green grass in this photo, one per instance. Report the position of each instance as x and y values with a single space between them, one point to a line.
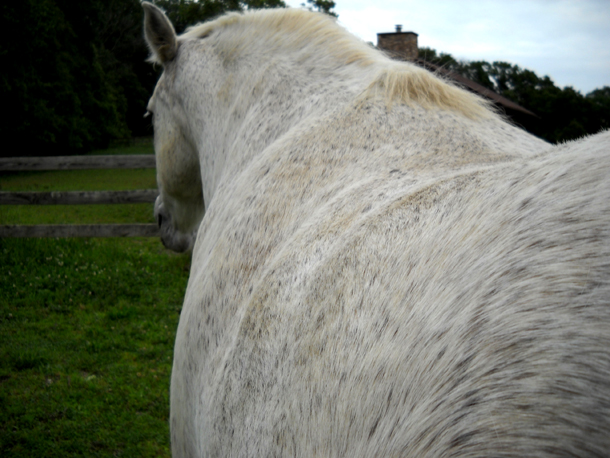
87 328
78 180
77 214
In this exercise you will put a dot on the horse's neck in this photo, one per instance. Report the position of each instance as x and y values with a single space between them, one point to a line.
261 104
257 105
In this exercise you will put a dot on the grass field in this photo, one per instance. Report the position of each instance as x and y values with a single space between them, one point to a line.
86 327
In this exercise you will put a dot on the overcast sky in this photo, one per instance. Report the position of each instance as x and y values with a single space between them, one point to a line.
568 40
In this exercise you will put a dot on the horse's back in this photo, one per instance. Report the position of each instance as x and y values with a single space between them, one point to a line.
464 314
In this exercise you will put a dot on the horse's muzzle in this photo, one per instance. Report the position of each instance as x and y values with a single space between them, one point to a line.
171 238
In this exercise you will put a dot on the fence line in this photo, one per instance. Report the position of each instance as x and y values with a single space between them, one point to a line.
132 161
78 197
79 230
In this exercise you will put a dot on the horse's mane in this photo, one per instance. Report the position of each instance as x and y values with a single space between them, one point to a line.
296 29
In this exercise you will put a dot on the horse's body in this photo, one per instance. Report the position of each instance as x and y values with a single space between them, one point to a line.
385 268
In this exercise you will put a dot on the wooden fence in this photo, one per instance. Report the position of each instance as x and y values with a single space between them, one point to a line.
78 197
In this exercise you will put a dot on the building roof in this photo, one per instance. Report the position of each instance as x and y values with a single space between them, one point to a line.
475 87
403 46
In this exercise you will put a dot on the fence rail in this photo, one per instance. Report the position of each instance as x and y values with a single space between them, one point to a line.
78 197
79 230
133 161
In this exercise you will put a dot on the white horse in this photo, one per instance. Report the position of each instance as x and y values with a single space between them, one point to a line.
385 266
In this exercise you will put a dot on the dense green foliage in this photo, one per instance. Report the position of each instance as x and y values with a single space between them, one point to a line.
75 76
563 114
323 6
184 13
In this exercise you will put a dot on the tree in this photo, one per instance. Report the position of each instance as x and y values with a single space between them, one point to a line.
75 77
58 94
600 100
564 114
322 6
123 54
184 13
442 60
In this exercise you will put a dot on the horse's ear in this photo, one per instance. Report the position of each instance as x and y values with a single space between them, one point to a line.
160 34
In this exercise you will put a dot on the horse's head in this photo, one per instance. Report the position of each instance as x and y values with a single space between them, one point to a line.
180 206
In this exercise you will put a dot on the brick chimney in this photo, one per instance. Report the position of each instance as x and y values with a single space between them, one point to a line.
399 44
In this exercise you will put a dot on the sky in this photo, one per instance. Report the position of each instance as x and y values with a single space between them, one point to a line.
568 40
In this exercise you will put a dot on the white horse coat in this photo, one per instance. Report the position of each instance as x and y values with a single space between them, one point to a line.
385 267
